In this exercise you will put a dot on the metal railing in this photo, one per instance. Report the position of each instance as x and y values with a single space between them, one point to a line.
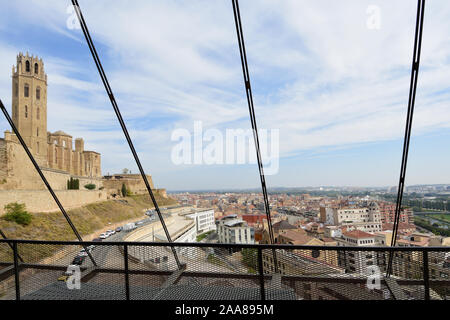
144 270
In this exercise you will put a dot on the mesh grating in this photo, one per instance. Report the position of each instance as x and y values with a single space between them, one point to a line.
217 272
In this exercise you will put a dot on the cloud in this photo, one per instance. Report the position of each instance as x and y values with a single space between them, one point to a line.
318 73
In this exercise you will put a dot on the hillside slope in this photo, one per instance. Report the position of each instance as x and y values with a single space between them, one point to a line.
87 219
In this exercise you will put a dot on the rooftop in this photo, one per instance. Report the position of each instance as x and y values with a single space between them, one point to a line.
357 234
234 222
297 237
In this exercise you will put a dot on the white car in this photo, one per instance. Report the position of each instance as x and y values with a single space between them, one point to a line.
104 236
110 232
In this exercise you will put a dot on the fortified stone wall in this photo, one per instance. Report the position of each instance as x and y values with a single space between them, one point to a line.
133 182
18 173
42 201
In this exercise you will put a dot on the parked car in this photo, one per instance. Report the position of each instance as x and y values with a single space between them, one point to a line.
110 232
118 229
78 260
104 236
139 223
129 226
97 240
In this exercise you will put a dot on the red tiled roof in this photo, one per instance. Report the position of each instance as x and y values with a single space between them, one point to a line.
296 236
358 234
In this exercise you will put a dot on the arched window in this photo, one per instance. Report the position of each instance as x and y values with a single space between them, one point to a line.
26 90
26 111
37 132
56 155
36 68
27 66
64 143
38 93
38 113
16 89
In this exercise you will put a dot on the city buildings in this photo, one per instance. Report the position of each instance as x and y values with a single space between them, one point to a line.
387 212
365 219
230 229
204 220
356 261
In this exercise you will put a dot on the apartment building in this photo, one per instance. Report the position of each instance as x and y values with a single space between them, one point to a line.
387 212
231 229
410 264
366 219
296 263
356 261
204 220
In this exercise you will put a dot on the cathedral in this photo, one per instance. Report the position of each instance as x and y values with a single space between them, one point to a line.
52 151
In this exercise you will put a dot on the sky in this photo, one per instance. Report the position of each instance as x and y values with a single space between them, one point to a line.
333 82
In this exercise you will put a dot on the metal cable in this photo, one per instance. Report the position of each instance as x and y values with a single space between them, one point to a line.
10 244
120 119
248 91
38 169
409 119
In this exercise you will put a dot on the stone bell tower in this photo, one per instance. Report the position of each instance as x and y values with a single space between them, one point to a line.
29 104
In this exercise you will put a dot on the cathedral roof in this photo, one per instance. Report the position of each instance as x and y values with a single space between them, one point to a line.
61 133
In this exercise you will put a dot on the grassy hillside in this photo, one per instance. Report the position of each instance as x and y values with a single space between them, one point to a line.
87 219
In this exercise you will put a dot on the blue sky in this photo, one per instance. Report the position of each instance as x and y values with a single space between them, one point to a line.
335 89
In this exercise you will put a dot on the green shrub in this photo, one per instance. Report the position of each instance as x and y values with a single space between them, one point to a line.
17 212
73 184
90 186
202 236
124 190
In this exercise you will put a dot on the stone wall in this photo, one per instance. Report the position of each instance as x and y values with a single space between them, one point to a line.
18 173
42 201
133 182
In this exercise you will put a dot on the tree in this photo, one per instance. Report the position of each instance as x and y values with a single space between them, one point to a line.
17 212
90 186
124 190
73 184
